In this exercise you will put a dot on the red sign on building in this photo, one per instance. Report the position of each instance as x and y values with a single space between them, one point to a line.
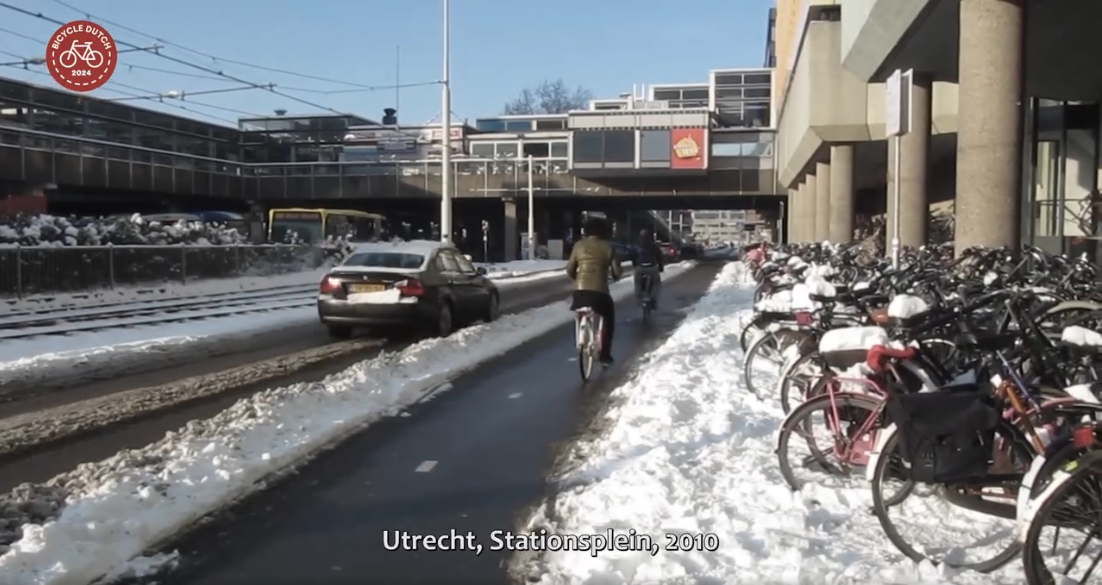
687 148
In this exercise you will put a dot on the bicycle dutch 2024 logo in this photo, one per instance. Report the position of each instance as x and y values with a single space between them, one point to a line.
81 56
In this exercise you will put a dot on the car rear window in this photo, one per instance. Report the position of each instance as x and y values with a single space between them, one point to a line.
385 260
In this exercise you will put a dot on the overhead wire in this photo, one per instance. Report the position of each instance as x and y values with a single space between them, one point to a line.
217 58
308 103
169 103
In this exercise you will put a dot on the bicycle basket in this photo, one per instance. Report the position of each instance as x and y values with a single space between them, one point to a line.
945 436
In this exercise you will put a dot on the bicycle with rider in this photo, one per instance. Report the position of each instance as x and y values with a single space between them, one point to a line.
648 263
592 261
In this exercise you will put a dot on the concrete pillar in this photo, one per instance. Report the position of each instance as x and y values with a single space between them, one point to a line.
841 194
512 237
811 199
914 166
822 202
989 128
792 211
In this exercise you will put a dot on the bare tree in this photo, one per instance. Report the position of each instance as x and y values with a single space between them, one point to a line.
548 97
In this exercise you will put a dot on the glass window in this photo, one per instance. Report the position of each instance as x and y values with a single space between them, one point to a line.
727 149
694 94
757 79
11 113
536 149
588 146
445 262
550 124
385 260
155 139
490 125
507 150
667 94
729 92
619 146
57 122
465 265
518 126
756 92
153 119
728 79
56 99
756 115
654 145
14 90
482 149
560 149
192 146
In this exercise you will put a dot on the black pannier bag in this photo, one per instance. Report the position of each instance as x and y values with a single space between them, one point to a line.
946 436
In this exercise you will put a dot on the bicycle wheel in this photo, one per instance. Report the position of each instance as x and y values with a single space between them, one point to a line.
1070 508
646 311
892 488
796 380
585 362
851 422
752 365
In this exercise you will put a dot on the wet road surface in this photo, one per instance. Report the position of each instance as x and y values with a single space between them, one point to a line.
470 461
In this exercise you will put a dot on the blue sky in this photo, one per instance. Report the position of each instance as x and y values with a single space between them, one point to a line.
498 48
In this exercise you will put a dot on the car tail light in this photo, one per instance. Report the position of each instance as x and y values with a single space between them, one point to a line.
410 287
329 285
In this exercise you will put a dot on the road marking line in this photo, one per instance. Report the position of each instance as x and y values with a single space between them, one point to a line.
425 466
515 395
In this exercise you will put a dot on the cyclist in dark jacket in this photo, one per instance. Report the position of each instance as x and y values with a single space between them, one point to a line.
648 262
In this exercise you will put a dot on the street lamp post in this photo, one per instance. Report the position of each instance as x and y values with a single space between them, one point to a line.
531 213
446 129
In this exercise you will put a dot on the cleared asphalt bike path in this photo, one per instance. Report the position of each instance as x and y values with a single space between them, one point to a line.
473 459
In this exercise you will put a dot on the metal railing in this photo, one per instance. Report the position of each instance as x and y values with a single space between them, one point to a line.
26 271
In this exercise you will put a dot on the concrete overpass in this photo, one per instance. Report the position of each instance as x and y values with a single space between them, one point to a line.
1006 117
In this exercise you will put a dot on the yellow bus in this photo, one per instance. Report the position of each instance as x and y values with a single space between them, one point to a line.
315 226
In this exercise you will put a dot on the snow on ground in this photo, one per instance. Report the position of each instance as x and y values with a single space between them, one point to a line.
53 231
35 357
116 509
172 290
521 267
40 357
688 450
169 290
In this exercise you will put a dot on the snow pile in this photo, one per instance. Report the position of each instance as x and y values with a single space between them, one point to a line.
140 296
907 306
114 510
853 339
1081 336
521 267
50 230
687 450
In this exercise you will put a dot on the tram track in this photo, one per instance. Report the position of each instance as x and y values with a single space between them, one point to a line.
72 427
151 308
64 311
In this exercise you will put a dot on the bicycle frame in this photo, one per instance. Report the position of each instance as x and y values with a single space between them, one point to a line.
589 323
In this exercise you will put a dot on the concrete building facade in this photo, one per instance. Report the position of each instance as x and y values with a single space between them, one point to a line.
1005 126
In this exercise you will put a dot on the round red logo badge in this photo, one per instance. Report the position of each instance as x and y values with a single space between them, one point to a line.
81 56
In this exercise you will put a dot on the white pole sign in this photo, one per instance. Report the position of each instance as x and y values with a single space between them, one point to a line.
897 123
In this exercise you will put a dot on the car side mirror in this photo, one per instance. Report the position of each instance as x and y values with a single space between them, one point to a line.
481 270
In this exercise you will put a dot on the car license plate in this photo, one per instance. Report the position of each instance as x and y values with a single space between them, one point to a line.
366 288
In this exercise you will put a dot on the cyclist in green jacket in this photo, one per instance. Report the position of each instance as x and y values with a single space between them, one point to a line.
592 261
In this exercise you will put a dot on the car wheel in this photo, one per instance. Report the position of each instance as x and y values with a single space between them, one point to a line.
493 309
444 321
339 331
